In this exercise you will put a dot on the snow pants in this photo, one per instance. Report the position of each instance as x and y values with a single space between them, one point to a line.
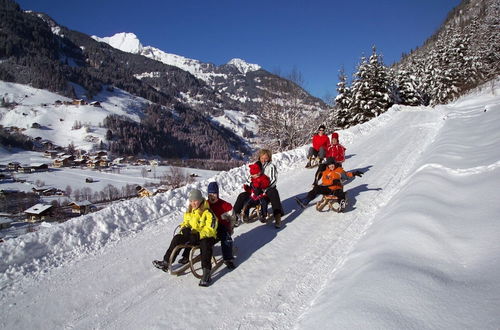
226 242
324 190
321 153
187 237
272 194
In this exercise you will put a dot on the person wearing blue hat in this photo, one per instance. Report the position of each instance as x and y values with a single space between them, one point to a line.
223 212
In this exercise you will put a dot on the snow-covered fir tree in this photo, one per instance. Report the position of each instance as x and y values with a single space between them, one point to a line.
370 89
406 89
341 112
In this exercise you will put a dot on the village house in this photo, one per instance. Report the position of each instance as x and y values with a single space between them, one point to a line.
24 168
119 160
101 154
93 163
47 145
13 166
51 154
103 163
143 192
64 161
80 162
39 212
95 104
79 102
141 162
39 167
44 190
82 207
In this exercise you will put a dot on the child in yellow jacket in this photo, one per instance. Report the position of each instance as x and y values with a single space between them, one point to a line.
199 227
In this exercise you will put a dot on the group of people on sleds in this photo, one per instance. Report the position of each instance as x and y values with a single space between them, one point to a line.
208 220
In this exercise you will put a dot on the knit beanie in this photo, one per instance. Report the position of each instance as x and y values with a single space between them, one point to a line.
254 169
195 195
213 188
335 136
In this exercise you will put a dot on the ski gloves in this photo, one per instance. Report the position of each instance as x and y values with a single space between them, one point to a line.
357 173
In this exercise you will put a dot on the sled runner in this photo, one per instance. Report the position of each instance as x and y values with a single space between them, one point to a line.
315 161
254 214
194 264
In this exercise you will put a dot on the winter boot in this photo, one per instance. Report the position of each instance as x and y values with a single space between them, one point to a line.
308 162
160 264
277 220
343 204
229 264
205 279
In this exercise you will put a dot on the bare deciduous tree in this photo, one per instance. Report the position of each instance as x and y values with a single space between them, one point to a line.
283 121
175 178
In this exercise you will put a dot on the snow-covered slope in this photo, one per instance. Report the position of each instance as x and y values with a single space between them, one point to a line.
57 122
417 247
128 42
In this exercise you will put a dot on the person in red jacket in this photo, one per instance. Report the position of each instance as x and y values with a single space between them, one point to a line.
223 212
259 182
320 143
335 149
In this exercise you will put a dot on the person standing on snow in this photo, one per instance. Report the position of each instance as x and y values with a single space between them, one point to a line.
320 144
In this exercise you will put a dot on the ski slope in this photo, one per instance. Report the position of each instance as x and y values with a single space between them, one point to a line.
417 248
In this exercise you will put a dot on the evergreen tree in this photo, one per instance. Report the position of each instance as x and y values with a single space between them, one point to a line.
371 89
343 101
407 92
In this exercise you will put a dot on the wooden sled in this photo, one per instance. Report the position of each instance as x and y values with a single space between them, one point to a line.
194 264
332 202
254 214
314 162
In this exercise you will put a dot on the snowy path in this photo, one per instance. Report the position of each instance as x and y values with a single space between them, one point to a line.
410 252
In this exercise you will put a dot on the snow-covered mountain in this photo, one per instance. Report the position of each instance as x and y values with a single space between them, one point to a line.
237 80
128 42
416 248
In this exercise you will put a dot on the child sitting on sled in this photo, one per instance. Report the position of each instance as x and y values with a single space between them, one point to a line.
259 182
331 183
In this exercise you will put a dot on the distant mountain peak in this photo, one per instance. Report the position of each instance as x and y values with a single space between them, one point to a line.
243 66
125 41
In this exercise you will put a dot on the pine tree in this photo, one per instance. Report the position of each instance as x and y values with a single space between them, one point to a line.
407 92
343 101
371 89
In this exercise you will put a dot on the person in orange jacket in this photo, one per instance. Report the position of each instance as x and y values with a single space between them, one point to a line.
320 144
331 183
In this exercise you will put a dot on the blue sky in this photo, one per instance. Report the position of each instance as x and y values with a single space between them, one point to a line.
317 37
